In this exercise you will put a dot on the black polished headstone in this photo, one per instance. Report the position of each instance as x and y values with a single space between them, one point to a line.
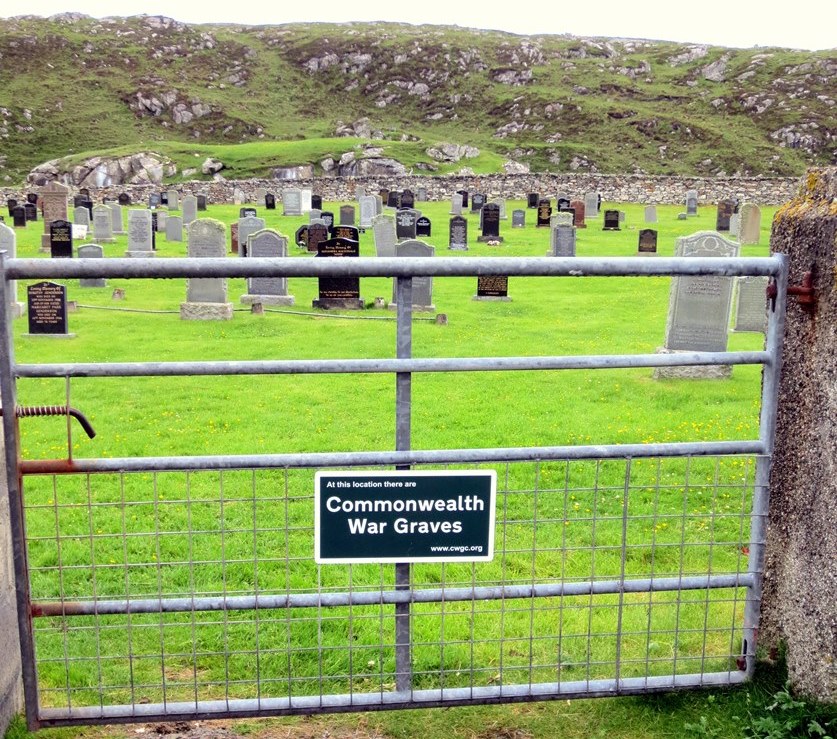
46 304
154 200
164 198
32 197
490 217
31 211
464 194
563 204
338 292
647 241
393 199
201 202
61 239
532 200
458 233
544 214
84 192
424 226
245 212
19 217
316 202
11 204
124 199
408 200
725 210
493 286
477 201
342 231
270 201
611 221
405 224
301 236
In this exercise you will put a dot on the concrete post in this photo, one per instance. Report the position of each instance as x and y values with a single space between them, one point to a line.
799 607
11 687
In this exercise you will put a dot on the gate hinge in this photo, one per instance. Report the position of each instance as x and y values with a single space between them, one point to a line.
806 295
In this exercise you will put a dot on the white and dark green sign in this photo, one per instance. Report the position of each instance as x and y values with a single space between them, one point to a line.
404 516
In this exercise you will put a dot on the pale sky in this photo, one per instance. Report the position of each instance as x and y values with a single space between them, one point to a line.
738 23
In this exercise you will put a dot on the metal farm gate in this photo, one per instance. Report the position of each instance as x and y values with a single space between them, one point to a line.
155 587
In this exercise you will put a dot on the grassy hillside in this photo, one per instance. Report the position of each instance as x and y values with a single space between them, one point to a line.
73 85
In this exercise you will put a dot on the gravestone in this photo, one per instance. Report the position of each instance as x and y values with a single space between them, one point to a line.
383 194
405 223
360 192
490 223
201 202
421 194
260 194
347 215
723 214
691 203
408 200
579 213
8 244
270 201
562 202
11 204
91 251
518 219
239 198
464 194
562 218
124 199
102 224
424 227
164 198
699 308
393 199
317 233
46 303
478 200
650 213
246 226
562 241
190 209
301 237
383 231
544 214
456 205
735 226
493 288
234 238
61 239
621 216
292 203
532 200
751 304
154 215
140 233
81 216
248 211
647 241
458 234
345 232
116 218
85 193
750 224
327 217
368 210
338 292
591 204
206 297
316 202
19 216
422 297
162 218
54 198
267 290
172 200
314 215
174 228
306 200
611 221
31 211
154 200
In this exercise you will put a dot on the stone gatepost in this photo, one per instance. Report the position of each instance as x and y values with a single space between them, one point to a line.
799 605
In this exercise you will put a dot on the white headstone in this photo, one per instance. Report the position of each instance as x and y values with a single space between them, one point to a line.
383 230
292 203
8 243
174 228
102 223
140 242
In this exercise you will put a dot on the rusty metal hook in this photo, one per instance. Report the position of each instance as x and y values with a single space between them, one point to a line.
32 411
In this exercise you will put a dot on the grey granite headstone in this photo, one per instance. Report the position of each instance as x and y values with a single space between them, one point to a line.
621 216
239 198
246 226
383 231
563 241
751 304
260 194
750 224
422 286
502 205
116 216
81 216
162 219
456 205
650 213
518 218
292 202
591 205
691 203
8 243
421 194
735 226
206 297
367 210
140 243
174 228
314 214
563 218
190 209
173 200
91 251
347 215
102 223
267 290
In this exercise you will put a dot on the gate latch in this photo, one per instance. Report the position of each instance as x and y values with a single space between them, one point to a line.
805 293
30 411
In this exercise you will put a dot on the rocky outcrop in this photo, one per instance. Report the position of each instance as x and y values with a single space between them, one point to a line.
361 128
182 111
452 152
134 169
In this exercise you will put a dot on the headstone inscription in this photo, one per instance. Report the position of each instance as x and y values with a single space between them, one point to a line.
562 242
102 224
383 231
61 239
544 214
518 218
8 244
206 297
751 304
750 224
650 213
248 211
338 292
140 233
267 290
591 204
458 234
699 307
201 202
246 226
405 223
19 216
189 209
723 214
424 227
691 203
493 288
611 221
579 213
478 199
345 232
91 251
647 241
347 215
422 292
490 223
292 203
532 200
46 303
174 228
270 201
116 218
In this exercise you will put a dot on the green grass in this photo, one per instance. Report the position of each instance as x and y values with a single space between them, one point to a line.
145 535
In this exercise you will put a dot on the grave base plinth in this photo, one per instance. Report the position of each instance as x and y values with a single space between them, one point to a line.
206 311
693 372
142 254
486 239
338 304
493 298
416 308
251 299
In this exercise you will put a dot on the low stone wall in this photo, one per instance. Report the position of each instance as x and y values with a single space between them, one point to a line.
613 188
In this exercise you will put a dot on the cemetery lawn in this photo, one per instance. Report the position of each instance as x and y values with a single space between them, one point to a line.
144 540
